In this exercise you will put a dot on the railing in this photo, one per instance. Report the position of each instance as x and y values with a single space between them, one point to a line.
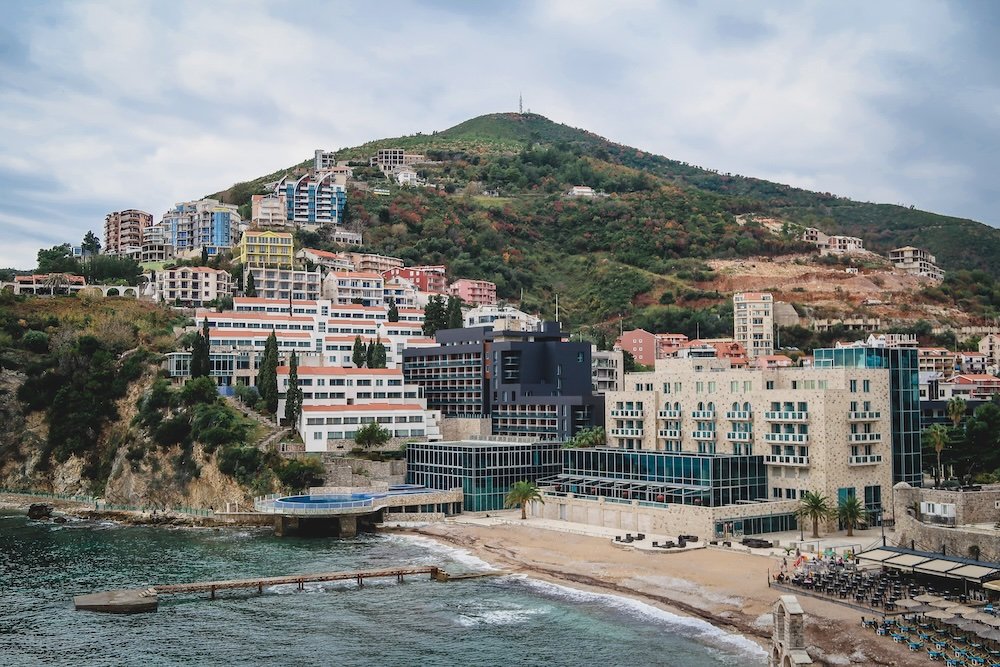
669 433
739 436
669 414
626 432
703 435
864 460
703 414
103 506
786 437
864 437
626 413
786 416
739 415
782 459
864 416
938 519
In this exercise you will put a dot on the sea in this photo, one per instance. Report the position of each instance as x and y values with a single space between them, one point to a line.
490 621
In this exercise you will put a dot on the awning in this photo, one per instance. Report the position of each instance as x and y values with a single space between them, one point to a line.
938 566
974 572
906 561
877 555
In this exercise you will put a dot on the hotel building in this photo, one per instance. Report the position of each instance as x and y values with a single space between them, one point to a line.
285 284
265 248
474 292
268 211
192 286
431 279
314 200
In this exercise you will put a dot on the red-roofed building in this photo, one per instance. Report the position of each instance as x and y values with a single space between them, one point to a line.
474 292
971 387
426 278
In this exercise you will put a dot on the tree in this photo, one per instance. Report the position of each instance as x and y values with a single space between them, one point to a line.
267 374
956 410
56 281
378 359
204 256
937 436
251 290
814 506
371 435
293 395
359 354
201 353
453 313
522 493
435 316
588 437
91 244
370 354
393 315
851 512
57 259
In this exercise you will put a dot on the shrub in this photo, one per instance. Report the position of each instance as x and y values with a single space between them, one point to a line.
199 390
35 341
173 431
298 474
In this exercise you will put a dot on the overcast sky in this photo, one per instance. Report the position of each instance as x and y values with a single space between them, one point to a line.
113 105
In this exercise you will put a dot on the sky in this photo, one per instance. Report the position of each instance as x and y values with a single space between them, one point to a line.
106 106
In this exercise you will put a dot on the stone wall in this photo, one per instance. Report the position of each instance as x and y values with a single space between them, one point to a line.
959 540
346 445
341 471
403 517
461 428
666 520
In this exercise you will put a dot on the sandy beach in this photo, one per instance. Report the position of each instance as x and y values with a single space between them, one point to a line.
728 589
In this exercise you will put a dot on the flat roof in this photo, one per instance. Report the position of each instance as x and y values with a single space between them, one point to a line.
935 564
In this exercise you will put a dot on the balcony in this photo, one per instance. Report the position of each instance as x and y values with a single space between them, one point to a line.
786 437
704 435
627 432
864 460
669 433
739 436
739 415
669 414
626 413
786 416
703 414
784 460
864 437
865 416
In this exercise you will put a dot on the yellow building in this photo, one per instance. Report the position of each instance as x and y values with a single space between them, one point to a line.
268 249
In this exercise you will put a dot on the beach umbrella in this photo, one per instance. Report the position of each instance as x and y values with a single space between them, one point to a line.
939 614
971 626
908 603
980 617
942 603
992 620
927 598
952 619
960 610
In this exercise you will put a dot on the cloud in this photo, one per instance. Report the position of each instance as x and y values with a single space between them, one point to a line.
111 105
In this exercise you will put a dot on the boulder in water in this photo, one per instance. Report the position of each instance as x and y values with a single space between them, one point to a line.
59 519
39 511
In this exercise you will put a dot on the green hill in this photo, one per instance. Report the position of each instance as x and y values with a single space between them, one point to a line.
638 250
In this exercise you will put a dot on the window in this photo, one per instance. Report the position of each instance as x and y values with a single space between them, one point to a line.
866 386
769 384
854 386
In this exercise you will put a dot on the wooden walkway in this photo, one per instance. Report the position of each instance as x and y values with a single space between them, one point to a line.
147 599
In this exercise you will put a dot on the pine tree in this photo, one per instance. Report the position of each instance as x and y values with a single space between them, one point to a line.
201 359
267 374
359 353
435 316
454 313
251 290
370 354
293 395
378 356
91 244
204 256
393 315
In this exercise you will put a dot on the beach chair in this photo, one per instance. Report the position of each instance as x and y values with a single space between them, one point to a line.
954 662
935 656
915 646
976 660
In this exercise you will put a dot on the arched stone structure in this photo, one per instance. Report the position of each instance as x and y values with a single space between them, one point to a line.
788 639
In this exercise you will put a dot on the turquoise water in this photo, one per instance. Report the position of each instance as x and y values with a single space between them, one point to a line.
493 621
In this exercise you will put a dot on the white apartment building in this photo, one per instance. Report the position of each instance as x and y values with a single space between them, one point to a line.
989 345
402 292
191 285
354 287
374 263
501 318
753 323
285 284
822 430
336 402
337 261
324 160
916 261
269 211
833 245
155 245
607 368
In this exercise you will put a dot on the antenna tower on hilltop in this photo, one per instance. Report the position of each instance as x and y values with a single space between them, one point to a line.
520 103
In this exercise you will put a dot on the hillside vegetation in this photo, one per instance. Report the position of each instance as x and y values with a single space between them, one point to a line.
639 251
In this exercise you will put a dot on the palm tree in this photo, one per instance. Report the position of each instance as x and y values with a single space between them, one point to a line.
851 512
937 435
956 410
522 493
55 281
814 506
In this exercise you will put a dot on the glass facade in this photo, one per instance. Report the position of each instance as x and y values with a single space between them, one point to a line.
755 525
660 478
485 471
904 399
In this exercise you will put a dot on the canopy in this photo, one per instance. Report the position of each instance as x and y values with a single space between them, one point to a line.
934 564
927 598
939 614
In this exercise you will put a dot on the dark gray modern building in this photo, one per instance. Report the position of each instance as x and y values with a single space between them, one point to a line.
484 469
528 383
